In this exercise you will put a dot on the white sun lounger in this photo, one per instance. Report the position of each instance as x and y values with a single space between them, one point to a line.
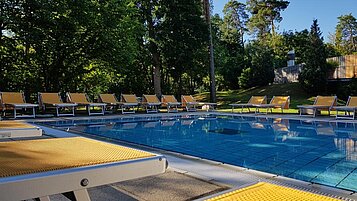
151 103
16 101
39 168
128 103
350 108
170 102
81 99
321 103
254 100
53 100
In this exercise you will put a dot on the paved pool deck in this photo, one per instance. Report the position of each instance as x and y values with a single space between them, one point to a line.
187 177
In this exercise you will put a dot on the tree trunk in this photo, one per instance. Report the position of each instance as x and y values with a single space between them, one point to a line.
155 55
206 6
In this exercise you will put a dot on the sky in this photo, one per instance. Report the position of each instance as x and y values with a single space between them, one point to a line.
300 13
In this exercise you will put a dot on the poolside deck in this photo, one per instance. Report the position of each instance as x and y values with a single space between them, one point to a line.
187 177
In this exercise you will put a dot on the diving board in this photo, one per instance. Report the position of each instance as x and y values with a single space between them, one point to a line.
15 129
39 168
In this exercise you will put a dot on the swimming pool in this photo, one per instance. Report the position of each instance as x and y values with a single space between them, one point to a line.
318 152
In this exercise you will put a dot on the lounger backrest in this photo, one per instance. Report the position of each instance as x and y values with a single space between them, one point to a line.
129 98
188 99
150 99
281 100
325 100
258 100
352 101
12 97
168 99
107 98
49 98
78 97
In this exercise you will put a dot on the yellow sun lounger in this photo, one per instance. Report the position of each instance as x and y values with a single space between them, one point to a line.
263 191
54 100
170 102
16 101
39 168
128 103
190 104
321 103
81 99
14 129
150 103
282 102
350 108
110 100
254 100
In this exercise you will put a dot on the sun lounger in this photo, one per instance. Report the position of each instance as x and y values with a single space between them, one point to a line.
150 103
128 103
266 191
15 129
281 102
321 103
81 99
350 108
39 168
254 100
54 100
190 104
110 100
170 102
16 101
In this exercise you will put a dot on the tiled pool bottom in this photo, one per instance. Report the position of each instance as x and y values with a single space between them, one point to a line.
316 152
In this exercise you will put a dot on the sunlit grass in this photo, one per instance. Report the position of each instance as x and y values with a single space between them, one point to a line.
297 96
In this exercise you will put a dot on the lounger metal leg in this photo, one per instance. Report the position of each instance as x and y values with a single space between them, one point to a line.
33 112
45 198
14 113
81 195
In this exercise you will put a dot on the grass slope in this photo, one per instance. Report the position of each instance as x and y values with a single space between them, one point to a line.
294 90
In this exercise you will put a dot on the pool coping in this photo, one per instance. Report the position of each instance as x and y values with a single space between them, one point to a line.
186 164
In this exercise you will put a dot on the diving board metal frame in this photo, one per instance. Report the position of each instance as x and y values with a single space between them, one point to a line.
76 181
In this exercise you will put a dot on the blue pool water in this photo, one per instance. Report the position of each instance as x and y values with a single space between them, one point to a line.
318 152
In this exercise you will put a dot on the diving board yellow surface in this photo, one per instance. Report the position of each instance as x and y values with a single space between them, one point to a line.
15 125
266 191
34 156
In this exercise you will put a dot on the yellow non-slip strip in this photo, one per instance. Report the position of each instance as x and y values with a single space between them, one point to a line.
265 191
14 125
34 156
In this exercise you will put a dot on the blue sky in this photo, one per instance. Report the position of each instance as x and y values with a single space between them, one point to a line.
300 13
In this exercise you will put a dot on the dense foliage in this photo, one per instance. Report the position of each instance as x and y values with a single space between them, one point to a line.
157 46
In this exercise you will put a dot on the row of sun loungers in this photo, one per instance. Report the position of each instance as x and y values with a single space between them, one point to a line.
259 102
321 103
128 103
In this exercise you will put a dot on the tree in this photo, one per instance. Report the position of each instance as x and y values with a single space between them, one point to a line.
184 38
152 18
231 39
234 23
260 70
346 34
264 15
313 76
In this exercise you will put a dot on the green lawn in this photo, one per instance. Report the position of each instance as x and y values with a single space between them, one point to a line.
297 95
